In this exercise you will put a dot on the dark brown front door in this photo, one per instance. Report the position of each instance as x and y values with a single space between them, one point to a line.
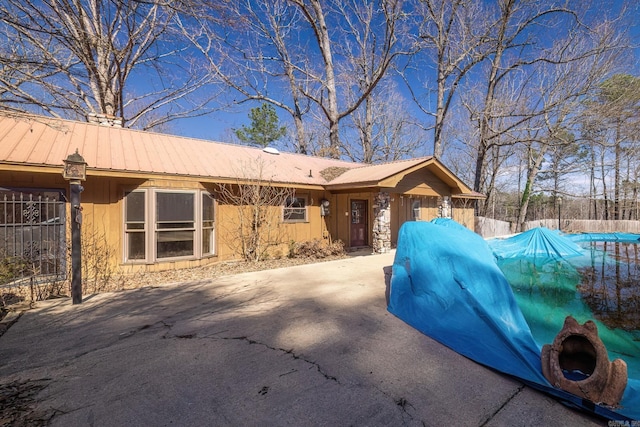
359 221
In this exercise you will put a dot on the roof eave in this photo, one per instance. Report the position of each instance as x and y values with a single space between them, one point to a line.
473 195
351 185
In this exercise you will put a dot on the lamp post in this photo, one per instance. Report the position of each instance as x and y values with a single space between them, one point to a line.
75 171
559 199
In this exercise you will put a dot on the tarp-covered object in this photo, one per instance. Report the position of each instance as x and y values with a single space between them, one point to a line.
537 242
446 284
605 237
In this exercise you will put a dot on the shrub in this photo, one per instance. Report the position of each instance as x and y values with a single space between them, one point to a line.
316 248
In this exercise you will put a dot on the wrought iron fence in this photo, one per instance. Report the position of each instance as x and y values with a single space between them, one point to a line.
32 239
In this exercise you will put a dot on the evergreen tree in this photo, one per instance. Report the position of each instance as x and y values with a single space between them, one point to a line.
264 127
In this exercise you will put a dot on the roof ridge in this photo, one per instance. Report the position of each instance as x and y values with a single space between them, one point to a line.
42 118
413 159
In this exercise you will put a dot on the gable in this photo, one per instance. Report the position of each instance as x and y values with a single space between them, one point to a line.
422 182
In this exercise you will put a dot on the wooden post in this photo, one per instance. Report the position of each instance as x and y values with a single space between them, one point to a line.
76 242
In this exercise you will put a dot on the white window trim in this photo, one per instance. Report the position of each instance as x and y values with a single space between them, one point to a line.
156 230
306 210
151 227
213 251
145 229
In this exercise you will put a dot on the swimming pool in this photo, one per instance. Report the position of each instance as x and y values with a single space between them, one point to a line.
601 285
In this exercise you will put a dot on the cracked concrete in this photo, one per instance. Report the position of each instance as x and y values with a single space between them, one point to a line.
311 345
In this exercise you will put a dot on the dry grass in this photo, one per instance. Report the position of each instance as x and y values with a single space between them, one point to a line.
140 280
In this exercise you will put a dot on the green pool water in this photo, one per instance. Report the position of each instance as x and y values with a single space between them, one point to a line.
603 285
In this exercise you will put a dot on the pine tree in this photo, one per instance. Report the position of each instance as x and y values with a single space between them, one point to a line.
264 128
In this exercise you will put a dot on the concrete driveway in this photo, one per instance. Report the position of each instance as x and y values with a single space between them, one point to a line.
311 345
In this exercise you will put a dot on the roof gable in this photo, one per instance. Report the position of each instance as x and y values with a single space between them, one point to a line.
390 174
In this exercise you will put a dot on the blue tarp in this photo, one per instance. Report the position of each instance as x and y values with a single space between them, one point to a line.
446 284
538 242
605 237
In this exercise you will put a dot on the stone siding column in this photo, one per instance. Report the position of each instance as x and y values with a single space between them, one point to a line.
382 224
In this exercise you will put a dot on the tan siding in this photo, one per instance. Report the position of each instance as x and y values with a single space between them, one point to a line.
430 208
102 203
396 220
424 183
463 212
342 218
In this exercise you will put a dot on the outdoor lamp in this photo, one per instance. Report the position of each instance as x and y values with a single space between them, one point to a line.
324 207
75 170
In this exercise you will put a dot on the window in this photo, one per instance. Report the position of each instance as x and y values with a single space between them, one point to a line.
161 224
135 225
295 209
175 224
415 209
208 216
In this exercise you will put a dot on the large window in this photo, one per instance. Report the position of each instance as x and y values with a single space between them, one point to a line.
162 224
175 224
295 209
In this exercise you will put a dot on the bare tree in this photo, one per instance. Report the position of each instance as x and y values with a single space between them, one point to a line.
369 39
561 89
255 50
70 59
618 105
289 51
453 40
511 105
385 129
256 223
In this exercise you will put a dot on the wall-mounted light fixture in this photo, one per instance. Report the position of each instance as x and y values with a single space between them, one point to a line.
324 207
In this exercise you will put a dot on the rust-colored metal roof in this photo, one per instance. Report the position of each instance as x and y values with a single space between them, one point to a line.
38 141
29 140
388 174
372 174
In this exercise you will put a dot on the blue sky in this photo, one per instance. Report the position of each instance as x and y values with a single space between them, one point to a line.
218 126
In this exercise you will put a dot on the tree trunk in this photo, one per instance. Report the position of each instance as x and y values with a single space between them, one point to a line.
532 172
367 142
437 131
593 204
605 196
616 173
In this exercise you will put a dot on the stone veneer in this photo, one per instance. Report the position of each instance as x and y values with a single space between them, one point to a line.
381 224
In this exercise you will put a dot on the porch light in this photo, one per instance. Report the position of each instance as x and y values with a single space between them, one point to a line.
75 168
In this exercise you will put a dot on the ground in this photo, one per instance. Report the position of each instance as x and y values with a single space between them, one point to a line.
17 398
141 280
214 270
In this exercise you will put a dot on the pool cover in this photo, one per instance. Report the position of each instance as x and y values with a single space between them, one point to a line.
446 283
537 243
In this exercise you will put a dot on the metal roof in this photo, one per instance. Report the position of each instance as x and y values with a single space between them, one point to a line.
35 140
30 140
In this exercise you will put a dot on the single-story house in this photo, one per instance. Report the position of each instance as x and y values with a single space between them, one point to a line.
158 201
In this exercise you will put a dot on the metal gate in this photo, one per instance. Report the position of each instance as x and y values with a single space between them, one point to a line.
32 238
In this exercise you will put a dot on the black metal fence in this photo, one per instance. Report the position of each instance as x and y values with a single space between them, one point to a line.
32 239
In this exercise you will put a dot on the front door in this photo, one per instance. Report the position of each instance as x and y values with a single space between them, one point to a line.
359 223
